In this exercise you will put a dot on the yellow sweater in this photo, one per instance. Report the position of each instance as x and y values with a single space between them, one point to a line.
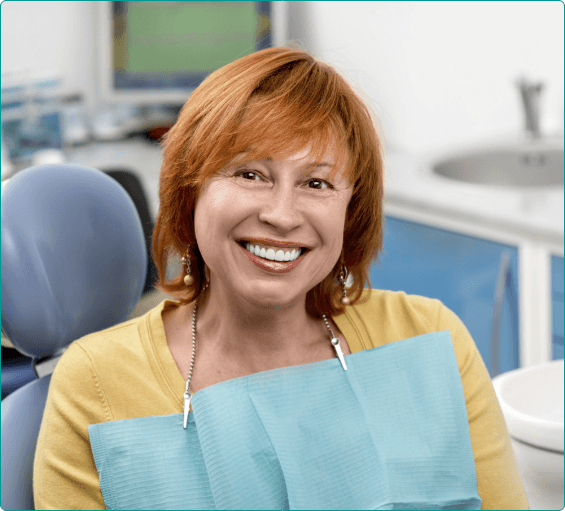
127 371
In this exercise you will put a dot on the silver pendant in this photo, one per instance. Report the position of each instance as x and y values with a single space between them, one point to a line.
187 397
339 352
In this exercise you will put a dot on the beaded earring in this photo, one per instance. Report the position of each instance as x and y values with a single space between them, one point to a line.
343 278
188 278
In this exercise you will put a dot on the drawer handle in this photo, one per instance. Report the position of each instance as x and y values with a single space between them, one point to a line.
503 283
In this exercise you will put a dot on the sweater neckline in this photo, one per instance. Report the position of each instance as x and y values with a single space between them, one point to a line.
165 368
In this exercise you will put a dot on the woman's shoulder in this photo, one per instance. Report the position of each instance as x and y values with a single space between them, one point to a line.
421 313
93 370
387 316
107 348
107 344
112 337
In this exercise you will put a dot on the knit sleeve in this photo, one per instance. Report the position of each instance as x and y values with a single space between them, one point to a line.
65 475
498 478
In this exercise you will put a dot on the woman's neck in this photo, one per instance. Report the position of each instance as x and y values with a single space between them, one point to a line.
235 339
256 333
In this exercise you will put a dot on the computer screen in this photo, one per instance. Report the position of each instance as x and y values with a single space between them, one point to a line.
159 51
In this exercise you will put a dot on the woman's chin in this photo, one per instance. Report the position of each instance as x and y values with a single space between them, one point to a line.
268 298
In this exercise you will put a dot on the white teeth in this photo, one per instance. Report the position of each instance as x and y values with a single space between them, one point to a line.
272 255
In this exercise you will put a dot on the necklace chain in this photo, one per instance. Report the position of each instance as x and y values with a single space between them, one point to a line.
194 343
193 348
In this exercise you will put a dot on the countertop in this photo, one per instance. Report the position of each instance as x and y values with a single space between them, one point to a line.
532 212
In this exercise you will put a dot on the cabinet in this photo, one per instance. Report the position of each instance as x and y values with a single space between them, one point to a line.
557 307
465 273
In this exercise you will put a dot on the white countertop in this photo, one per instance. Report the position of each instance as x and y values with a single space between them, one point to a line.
532 212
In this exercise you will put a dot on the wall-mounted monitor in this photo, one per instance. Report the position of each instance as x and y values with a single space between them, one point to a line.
158 52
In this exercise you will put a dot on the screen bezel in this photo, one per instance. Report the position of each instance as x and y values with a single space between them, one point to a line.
167 96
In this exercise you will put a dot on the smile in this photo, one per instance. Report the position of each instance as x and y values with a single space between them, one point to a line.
274 253
275 258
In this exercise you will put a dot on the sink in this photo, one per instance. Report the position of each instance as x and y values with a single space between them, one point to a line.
532 403
528 164
531 400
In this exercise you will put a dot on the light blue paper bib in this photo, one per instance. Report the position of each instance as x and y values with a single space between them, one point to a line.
391 432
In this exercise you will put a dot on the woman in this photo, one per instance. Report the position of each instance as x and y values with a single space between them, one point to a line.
259 387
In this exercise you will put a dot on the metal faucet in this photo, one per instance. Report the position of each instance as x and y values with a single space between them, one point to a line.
530 93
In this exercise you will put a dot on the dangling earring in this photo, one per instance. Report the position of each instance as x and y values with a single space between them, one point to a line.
188 278
342 278
206 276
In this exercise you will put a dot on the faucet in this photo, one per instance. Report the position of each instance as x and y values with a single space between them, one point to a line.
530 93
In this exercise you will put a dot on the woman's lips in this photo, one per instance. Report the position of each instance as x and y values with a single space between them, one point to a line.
273 266
271 242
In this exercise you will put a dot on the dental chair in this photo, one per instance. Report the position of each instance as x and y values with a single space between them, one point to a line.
17 369
73 261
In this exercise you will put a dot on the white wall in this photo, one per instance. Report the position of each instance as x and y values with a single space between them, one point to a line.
48 36
439 73
436 73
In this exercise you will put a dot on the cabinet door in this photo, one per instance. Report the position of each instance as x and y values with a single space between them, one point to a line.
557 306
462 272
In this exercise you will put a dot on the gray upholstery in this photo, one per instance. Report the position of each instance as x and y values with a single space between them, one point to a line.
74 261
21 417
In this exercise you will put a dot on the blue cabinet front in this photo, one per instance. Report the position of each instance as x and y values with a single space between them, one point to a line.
466 274
557 306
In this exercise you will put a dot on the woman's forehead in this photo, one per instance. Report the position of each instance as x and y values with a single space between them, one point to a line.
329 155
302 158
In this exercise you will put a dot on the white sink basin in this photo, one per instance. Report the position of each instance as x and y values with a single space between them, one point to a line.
531 400
525 164
532 403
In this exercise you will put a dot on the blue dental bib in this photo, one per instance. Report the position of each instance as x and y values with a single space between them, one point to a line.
391 432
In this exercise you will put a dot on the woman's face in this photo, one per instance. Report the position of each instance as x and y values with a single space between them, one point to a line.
250 216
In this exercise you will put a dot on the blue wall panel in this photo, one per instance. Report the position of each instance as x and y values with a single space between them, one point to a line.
557 306
459 270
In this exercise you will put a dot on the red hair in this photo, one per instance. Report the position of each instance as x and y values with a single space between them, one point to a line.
275 102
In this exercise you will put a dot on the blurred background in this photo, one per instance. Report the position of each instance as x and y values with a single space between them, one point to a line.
436 73
469 97
470 101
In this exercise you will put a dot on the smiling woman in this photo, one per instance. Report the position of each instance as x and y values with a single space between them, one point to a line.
277 379
271 105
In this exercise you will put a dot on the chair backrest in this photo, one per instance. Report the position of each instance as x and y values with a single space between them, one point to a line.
73 262
21 417
132 184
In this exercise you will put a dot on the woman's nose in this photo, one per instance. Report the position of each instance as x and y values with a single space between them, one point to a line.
281 209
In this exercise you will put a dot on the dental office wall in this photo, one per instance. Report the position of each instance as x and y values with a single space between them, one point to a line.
442 73
435 73
49 37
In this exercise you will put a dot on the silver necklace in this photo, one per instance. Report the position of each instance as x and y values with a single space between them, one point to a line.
188 395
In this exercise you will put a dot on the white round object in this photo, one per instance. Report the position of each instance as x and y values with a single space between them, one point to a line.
531 399
542 474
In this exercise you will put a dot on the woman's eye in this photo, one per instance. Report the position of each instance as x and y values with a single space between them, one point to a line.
249 175
318 184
